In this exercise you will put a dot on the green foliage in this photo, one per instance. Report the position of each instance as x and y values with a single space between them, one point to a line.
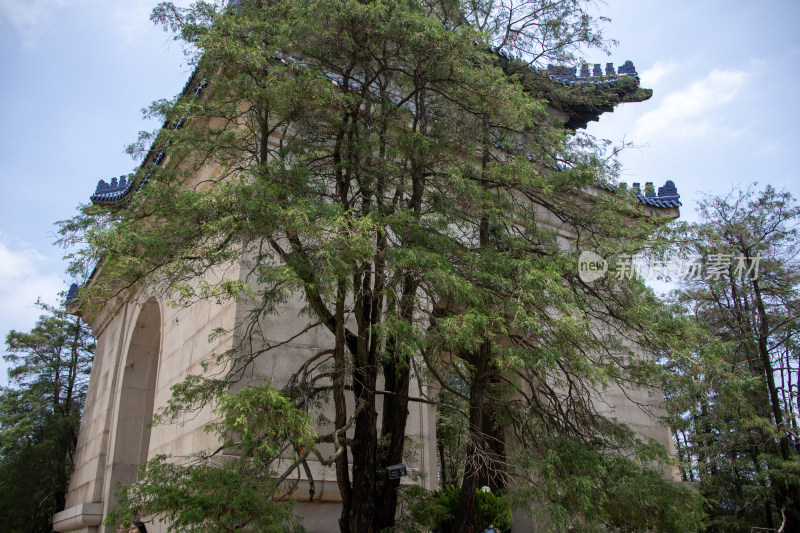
263 421
40 416
494 509
202 496
425 510
585 486
376 162
451 432
732 392
491 509
235 487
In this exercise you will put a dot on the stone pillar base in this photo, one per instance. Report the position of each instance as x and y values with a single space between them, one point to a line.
83 518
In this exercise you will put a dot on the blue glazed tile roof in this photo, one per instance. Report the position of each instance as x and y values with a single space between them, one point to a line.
119 190
589 82
110 194
570 77
105 192
666 197
72 294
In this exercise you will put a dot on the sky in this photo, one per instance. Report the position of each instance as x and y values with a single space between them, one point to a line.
75 74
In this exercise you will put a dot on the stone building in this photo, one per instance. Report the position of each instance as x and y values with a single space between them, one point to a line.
144 347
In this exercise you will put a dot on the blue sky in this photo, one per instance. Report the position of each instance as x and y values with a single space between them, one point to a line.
75 74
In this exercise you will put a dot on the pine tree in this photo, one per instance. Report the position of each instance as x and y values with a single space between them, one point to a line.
734 401
39 417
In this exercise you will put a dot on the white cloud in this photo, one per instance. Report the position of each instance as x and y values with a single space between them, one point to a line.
652 76
768 147
32 18
29 17
23 279
133 18
695 110
14 263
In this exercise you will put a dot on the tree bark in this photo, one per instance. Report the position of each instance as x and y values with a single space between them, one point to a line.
465 516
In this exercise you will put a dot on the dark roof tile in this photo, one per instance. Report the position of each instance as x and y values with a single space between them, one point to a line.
116 192
666 197
72 294
569 77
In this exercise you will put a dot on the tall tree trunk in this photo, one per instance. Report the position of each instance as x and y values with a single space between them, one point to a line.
442 464
786 491
397 372
769 371
397 375
340 407
365 446
465 515
395 416
689 454
364 449
789 404
682 457
493 473
769 520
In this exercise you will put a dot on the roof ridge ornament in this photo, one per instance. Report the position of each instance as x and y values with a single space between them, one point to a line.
570 77
112 194
666 196
72 294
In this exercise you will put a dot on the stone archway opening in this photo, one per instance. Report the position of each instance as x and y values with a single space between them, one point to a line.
137 396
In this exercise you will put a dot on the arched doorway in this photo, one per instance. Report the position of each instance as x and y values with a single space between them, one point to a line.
136 398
